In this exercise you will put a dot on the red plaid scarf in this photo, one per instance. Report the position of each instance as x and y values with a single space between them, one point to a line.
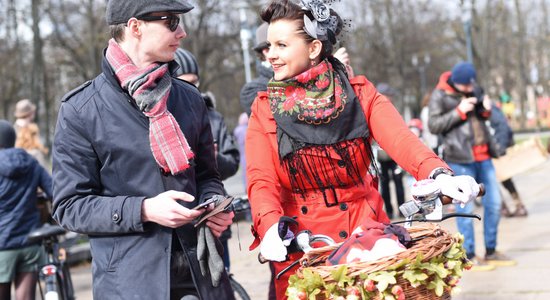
150 88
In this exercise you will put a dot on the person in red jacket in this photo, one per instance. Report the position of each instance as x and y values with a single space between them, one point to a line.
309 138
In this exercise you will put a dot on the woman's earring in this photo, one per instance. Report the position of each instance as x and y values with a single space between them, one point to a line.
312 63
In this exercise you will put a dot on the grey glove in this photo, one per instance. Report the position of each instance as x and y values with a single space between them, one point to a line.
208 255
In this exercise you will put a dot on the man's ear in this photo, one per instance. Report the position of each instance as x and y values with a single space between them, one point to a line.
134 26
315 48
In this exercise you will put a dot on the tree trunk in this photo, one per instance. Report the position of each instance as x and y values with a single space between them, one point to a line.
521 70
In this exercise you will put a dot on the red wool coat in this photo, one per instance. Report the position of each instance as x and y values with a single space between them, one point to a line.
269 186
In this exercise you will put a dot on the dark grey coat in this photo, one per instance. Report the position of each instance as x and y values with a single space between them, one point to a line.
457 134
103 169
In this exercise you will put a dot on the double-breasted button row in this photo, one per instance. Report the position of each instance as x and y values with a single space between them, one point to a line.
343 207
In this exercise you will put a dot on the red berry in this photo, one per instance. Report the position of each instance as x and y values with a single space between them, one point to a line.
302 295
352 290
397 290
369 285
452 280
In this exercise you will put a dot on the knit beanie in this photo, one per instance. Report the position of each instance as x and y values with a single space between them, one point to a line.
7 135
187 61
463 73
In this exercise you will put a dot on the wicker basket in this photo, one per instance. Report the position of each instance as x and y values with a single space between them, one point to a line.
433 248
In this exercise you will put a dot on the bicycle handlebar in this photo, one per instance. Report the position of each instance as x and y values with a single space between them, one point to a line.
448 200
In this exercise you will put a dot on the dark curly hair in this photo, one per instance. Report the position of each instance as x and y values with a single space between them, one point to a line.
287 10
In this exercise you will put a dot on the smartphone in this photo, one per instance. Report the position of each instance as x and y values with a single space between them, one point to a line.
205 203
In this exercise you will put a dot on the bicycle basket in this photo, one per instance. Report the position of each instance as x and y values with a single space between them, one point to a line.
429 269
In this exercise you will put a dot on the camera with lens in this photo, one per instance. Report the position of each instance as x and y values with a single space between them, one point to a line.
479 94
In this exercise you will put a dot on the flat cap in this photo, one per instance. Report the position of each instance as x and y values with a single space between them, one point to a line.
120 11
24 108
261 37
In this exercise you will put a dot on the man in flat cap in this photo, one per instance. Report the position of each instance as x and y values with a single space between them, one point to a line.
133 154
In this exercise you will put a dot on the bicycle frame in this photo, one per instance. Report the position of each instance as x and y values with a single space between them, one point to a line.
54 275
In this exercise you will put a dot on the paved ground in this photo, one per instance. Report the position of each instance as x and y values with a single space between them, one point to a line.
525 239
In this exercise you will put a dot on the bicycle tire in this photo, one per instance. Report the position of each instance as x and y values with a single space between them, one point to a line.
67 283
238 289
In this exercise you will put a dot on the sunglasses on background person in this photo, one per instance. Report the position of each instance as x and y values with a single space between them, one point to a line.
172 20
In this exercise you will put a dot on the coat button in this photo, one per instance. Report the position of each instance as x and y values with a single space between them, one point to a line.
341 163
343 206
116 217
304 209
343 234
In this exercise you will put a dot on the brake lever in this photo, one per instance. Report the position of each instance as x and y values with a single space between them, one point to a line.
283 271
443 218
460 215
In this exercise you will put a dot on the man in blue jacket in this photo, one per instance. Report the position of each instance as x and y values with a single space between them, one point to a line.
133 153
20 176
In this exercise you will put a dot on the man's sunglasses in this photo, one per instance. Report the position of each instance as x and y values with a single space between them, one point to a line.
172 24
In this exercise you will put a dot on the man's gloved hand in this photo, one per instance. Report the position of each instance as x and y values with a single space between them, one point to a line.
461 188
208 255
272 246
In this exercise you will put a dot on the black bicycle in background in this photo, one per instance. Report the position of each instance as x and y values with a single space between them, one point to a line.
54 279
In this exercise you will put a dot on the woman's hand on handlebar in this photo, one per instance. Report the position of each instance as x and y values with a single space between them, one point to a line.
461 189
272 246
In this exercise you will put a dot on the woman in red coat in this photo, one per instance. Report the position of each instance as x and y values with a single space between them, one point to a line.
308 141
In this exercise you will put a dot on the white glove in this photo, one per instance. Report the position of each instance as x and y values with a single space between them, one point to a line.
272 246
461 188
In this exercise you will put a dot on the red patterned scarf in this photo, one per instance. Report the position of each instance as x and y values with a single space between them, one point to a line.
150 88
318 112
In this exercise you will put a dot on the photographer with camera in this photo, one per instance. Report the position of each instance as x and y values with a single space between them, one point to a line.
458 110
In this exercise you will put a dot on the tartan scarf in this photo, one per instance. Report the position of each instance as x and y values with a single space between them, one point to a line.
150 88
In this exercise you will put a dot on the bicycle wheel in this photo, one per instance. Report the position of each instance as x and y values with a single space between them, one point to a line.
52 289
66 283
239 291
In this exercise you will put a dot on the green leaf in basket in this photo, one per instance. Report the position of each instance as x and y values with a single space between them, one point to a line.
415 277
417 262
438 285
341 277
453 252
313 294
434 268
389 297
400 264
331 288
312 280
384 278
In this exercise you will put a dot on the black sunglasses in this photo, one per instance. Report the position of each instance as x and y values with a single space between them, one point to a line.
172 24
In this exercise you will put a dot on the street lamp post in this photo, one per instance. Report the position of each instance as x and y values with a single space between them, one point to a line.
421 66
245 36
467 22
